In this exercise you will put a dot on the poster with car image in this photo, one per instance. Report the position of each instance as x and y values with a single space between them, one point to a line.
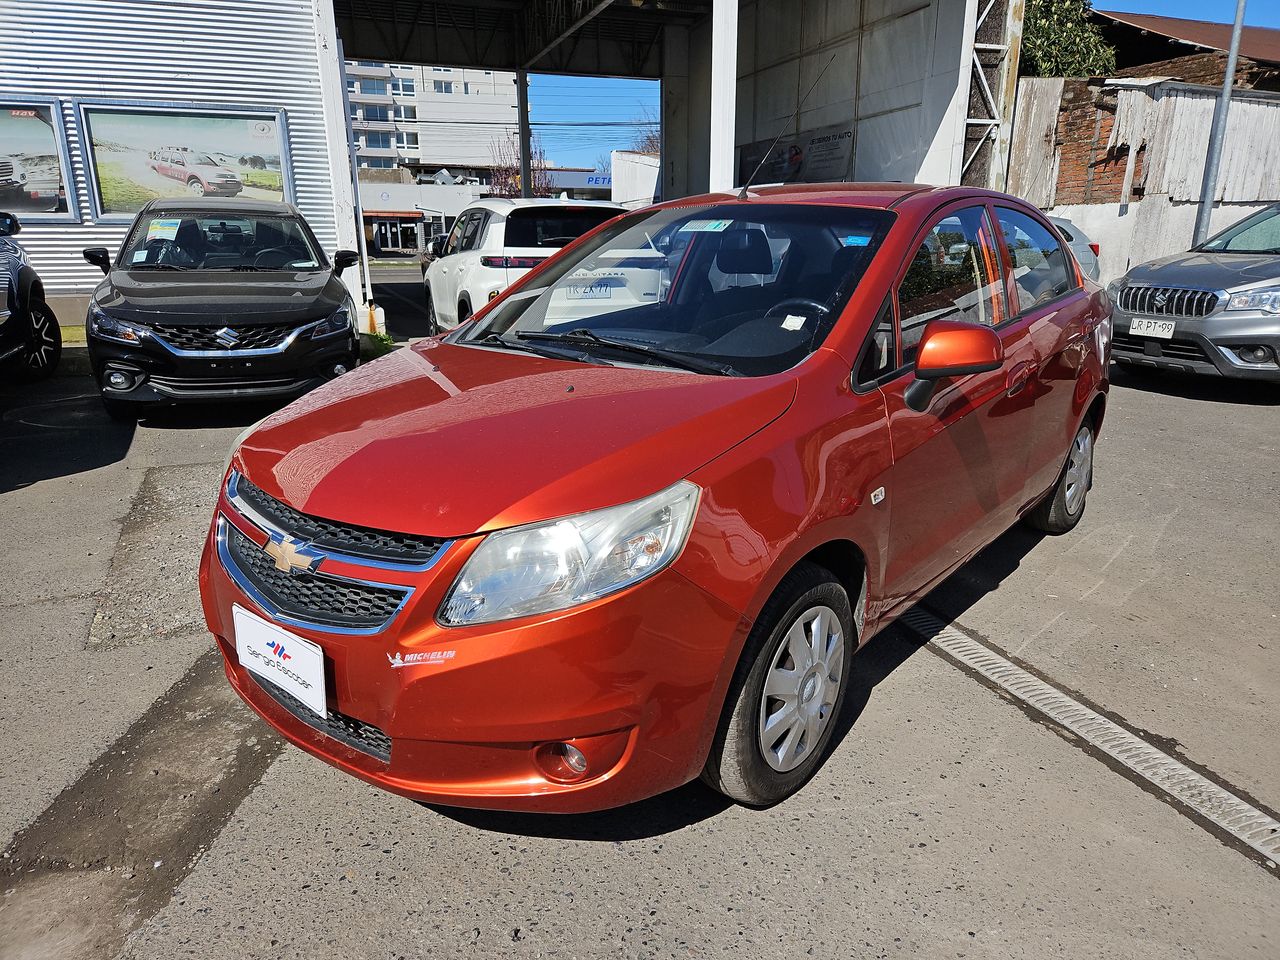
141 154
33 170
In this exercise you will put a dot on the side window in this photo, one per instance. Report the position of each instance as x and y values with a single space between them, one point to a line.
455 235
880 354
471 232
953 275
1041 269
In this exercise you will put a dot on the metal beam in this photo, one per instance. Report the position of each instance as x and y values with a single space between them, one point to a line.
549 14
526 139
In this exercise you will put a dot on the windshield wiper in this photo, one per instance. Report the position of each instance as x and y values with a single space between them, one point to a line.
157 266
246 267
670 358
498 340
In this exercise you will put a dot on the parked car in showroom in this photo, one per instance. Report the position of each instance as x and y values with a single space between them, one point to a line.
202 174
565 564
1213 310
13 178
493 243
30 338
214 300
1085 250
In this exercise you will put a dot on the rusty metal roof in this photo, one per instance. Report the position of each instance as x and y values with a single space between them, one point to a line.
1257 43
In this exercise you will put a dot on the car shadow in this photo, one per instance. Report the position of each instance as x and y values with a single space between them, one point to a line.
56 428
203 416
1255 393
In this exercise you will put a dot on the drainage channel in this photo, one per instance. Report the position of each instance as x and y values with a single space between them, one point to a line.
1238 819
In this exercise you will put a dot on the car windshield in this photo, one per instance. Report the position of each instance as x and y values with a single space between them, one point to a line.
1259 233
552 226
206 161
203 241
733 289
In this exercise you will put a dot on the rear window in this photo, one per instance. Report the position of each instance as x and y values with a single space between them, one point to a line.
553 226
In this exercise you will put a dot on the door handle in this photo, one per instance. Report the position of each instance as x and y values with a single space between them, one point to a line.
1018 377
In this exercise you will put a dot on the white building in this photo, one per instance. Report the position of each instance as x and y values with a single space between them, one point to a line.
429 119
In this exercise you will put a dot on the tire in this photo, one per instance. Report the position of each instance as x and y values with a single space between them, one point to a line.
757 757
196 187
43 349
122 411
1062 509
464 311
433 322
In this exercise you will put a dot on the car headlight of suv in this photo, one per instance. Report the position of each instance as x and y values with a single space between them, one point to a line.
110 328
551 566
342 321
1265 300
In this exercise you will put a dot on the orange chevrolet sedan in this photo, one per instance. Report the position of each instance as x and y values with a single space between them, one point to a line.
627 526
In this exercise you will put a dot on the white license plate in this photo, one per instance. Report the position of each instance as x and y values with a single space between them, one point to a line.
278 656
600 290
1147 327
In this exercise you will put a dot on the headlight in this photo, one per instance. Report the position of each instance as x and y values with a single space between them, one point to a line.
562 563
342 321
112 329
1114 288
1267 300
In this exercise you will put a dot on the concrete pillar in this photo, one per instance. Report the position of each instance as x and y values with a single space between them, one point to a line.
522 107
674 175
724 88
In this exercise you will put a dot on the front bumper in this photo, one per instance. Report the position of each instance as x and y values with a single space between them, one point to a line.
1202 345
160 375
461 716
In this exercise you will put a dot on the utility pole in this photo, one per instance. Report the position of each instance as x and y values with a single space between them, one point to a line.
526 145
1209 187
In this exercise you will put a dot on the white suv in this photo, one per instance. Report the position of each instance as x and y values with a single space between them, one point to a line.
493 243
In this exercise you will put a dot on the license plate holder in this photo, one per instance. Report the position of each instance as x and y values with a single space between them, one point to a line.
293 664
1151 327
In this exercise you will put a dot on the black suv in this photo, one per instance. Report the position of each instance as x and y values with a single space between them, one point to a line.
217 299
30 340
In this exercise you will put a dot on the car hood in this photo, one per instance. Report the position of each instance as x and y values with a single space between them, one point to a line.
208 296
445 441
1211 271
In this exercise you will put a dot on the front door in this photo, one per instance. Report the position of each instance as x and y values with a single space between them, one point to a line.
959 464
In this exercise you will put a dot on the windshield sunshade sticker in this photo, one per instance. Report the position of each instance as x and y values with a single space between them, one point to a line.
163 229
706 226
855 241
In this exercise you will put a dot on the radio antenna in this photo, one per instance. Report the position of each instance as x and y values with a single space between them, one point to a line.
795 117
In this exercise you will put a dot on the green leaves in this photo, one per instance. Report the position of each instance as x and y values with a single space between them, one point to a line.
1059 40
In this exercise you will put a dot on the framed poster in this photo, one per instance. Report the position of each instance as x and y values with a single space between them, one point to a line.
35 170
136 152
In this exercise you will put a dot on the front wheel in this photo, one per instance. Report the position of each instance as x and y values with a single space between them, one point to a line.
1062 509
433 322
787 692
43 349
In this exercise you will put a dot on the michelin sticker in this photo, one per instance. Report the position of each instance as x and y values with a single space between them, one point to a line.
414 659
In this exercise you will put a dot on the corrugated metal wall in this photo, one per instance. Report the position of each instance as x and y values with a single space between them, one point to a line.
257 53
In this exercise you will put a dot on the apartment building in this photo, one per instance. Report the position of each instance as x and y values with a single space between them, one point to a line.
429 119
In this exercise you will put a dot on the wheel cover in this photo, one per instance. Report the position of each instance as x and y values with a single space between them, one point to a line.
43 344
801 688
1079 470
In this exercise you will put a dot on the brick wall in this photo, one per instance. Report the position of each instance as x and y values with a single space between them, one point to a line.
1087 171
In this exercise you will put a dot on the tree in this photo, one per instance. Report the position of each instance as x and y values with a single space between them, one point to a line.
506 168
648 138
1059 40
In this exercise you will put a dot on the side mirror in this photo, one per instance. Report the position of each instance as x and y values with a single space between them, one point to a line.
100 257
949 348
343 259
437 245
9 225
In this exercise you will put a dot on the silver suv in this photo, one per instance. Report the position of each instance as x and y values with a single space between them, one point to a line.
1214 310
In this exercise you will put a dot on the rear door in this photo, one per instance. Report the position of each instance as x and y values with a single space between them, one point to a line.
959 464
442 275
1049 301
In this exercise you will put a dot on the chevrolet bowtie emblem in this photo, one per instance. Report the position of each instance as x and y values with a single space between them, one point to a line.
291 556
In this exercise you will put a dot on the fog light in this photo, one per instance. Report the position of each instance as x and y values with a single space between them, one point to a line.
562 761
1256 354
119 380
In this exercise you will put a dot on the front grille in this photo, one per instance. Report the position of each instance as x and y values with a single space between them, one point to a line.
312 597
356 734
6 169
1187 350
341 537
205 337
1167 301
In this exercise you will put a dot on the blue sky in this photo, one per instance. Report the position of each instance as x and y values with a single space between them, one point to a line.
1258 13
581 105
567 111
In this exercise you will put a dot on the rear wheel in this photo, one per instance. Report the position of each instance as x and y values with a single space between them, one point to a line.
787 692
1062 509
433 322
464 311
196 187
43 348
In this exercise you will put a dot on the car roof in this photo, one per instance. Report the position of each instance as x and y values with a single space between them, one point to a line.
883 195
507 204
221 205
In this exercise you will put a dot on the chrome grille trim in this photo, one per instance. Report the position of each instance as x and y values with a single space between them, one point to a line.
1150 301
